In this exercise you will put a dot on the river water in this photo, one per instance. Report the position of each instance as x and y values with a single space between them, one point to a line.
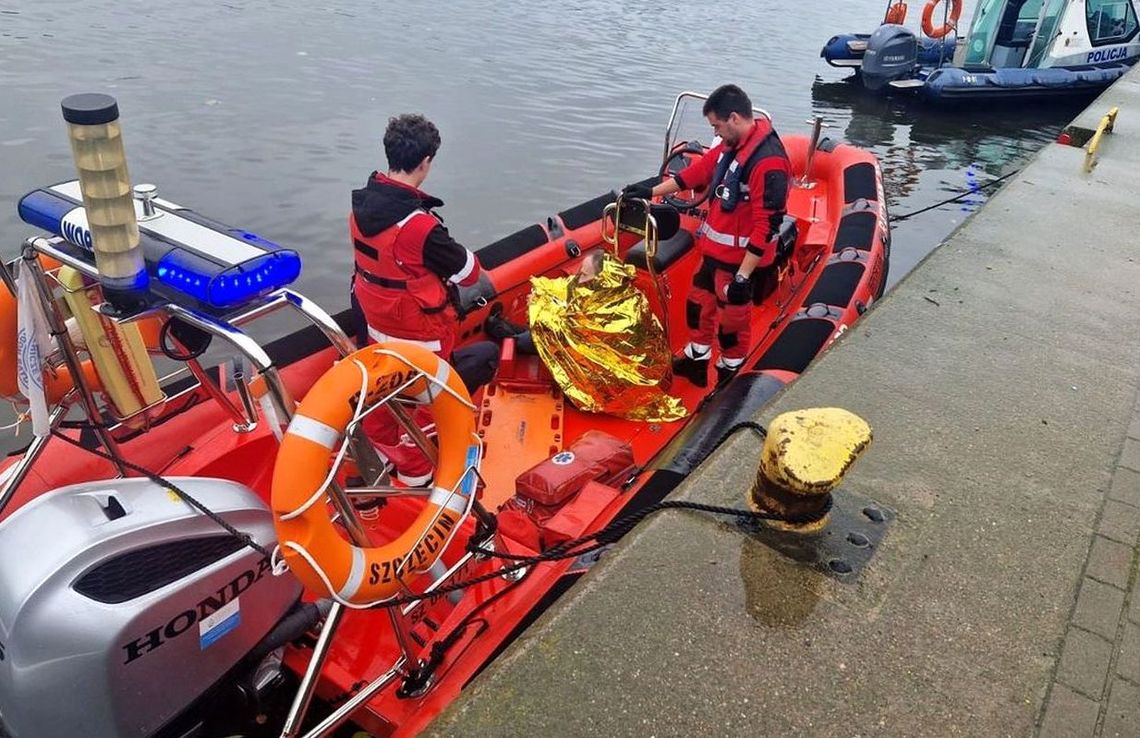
264 115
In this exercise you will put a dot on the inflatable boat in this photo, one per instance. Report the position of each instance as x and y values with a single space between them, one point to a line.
1014 50
231 552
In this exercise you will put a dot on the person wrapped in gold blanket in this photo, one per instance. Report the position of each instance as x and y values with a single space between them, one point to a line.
601 342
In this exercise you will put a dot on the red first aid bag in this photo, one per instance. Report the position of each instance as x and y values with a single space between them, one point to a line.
595 456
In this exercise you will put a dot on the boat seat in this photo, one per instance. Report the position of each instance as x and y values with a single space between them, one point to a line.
668 251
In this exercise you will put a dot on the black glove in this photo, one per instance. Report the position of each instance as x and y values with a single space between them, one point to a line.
637 189
739 291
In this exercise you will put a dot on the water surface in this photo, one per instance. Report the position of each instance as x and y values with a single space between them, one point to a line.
265 115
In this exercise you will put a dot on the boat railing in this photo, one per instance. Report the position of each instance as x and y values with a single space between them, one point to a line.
228 329
647 230
244 413
673 127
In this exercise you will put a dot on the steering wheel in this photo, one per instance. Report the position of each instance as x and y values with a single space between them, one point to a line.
684 154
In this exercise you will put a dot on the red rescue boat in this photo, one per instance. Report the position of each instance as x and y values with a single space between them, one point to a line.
388 669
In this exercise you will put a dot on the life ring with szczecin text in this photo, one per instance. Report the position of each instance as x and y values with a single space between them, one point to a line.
311 546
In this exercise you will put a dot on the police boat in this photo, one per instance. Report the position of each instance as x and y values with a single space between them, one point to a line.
1013 50
200 541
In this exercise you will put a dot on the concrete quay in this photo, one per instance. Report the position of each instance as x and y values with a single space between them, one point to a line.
1000 378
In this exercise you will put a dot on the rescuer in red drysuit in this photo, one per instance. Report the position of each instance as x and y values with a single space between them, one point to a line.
406 275
749 173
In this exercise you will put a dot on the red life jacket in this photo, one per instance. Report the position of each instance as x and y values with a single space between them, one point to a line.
400 296
726 234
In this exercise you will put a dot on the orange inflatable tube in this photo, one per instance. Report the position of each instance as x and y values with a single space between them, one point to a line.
311 545
928 26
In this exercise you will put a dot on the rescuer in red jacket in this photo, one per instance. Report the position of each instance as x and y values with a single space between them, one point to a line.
749 174
406 275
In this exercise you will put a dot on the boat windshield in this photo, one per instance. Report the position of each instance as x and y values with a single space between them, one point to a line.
981 34
1046 32
1002 32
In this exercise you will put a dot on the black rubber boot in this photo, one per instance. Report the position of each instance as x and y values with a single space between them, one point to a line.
724 375
696 371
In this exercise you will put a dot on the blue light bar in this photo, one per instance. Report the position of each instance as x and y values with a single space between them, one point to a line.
218 266
189 273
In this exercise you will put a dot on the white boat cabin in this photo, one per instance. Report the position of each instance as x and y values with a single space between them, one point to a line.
1050 33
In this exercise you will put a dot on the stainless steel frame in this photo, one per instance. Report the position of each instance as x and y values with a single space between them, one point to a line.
407 662
649 232
244 414
687 95
228 330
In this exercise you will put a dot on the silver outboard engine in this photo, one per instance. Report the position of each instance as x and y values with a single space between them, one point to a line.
892 54
121 607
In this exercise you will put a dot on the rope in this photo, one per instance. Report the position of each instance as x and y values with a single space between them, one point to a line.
956 198
440 648
602 538
751 425
21 418
611 533
567 550
185 496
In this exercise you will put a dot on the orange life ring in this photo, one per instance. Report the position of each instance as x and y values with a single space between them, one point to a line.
316 553
57 383
896 14
951 24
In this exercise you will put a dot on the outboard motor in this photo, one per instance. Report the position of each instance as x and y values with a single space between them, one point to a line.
892 54
126 612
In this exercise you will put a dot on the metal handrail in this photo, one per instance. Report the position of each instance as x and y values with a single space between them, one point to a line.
226 329
649 232
687 94
1104 127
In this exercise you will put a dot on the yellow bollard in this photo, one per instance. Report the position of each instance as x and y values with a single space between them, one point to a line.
806 453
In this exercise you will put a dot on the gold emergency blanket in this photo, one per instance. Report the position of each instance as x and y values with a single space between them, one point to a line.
603 345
